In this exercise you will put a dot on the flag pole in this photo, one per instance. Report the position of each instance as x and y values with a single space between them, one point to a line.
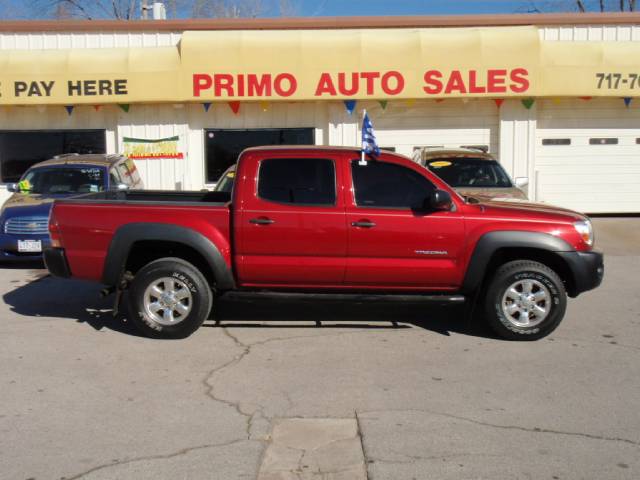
362 159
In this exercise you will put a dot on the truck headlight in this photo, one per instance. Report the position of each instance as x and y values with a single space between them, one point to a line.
585 229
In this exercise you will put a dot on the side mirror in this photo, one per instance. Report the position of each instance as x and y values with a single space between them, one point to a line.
13 188
438 200
522 182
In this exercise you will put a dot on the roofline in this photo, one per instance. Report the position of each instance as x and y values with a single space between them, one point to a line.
319 23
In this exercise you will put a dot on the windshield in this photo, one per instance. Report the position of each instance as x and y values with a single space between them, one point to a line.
225 184
470 172
63 180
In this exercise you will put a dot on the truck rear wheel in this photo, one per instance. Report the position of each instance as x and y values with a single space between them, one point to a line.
169 298
525 300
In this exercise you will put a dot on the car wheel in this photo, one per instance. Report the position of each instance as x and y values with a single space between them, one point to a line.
169 298
525 300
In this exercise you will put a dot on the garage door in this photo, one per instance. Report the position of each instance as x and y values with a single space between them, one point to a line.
588 155
451 123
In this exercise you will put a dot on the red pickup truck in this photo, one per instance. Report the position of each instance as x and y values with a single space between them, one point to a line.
318 219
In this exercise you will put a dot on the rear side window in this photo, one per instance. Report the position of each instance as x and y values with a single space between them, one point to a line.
387 185
133 172
298 181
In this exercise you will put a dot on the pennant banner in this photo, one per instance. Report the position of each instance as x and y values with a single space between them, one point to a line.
383 104
498 101
69 109
528 102
124 107
206 106
350 105
235 107
627 101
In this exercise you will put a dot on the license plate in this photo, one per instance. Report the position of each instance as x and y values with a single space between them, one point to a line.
29 245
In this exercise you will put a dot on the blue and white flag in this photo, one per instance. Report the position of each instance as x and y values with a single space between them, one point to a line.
369 142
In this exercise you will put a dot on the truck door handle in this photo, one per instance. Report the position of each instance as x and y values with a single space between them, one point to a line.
262 221
363 224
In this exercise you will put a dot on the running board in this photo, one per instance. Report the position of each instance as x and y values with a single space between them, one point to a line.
350 297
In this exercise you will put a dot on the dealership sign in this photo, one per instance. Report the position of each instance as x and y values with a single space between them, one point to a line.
491 62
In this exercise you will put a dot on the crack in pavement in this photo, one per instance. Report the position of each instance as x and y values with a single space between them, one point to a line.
365 455
514 427
184 451
418 458
246 350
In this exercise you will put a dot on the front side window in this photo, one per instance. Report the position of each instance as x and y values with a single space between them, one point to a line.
299 181
51 181
387 185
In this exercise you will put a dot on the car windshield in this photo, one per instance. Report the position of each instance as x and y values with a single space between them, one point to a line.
225 184
470 172
63 180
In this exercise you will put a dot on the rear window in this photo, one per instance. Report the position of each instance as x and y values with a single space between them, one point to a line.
470 172
298 181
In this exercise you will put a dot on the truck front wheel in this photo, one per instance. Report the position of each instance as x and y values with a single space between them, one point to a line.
525 300
169 298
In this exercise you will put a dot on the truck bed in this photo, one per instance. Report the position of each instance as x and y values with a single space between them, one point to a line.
152 196
90 222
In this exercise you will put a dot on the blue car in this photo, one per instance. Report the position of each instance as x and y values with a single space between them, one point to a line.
24 217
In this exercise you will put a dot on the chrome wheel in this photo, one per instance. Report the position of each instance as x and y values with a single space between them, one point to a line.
526 303
167 301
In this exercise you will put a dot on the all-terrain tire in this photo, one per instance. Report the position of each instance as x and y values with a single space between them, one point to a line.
525 300
169 285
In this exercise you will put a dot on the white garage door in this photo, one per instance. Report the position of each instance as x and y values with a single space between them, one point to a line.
451 123
588 155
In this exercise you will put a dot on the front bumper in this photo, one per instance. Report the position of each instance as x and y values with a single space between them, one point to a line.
587 269
56 262
9 247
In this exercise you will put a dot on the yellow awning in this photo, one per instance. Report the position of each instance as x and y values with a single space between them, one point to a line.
89 76
493 62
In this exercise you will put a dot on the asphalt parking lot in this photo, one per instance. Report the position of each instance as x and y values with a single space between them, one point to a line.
285 388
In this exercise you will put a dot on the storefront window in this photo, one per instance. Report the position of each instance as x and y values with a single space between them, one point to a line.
20 149
222 147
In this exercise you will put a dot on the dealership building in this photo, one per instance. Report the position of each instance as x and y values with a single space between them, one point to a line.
554 97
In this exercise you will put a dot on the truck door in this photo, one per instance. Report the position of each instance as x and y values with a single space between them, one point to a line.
392 241
291 227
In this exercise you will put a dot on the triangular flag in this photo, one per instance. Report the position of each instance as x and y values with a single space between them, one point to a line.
527 102
627 101
264 106
410 102
383 104
97 107
498 101
206 106
556 101
585 98
439 100
124 107
465 100
350 105
234 106
69 109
